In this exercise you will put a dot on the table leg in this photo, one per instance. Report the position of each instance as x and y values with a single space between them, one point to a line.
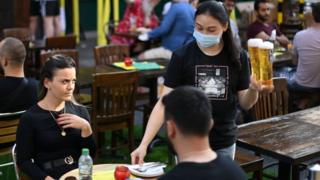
284 171
153 86
295 172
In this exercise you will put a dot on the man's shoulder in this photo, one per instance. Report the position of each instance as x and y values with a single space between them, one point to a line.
304 33
214 169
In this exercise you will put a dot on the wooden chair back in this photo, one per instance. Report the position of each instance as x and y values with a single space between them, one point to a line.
8 129
61 42
73 53
22 34
114 102
109 54
274 103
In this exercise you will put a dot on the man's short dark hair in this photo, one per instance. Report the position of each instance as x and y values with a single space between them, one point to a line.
257 3
316 12
13 49
190 110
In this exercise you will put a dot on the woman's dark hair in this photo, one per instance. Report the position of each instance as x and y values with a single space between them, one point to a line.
218 11
53 64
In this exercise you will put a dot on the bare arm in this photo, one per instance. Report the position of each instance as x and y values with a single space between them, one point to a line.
155 122
248 97
262 35
283 40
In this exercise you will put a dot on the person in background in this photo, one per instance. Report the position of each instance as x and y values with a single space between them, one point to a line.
49 10
175 30
215 65
17 93
230 5
52 133
168 4
306 45
262 28
188 121
138 13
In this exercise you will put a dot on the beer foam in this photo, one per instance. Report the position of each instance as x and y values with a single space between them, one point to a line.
254 42
266 45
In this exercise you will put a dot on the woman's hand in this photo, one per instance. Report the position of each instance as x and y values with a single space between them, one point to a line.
138 155
67 120
257 86
254 84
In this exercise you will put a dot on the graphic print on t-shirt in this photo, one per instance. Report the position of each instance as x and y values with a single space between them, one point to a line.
212 80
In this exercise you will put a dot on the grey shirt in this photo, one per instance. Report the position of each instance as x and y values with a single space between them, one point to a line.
307 47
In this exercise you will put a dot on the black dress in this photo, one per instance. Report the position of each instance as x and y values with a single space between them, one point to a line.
42 150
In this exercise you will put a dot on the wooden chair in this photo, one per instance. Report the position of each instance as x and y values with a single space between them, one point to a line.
106 55
73 53
114 105
61 42
270 104
109 54
22 34
274 103
8 128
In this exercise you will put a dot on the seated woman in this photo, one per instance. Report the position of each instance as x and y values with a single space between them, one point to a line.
138 13
52 133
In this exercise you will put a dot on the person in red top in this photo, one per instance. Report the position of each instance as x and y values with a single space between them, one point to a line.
138 13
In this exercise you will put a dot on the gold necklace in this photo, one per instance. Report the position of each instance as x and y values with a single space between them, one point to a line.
63 132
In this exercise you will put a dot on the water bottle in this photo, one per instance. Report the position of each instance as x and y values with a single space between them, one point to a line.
85 165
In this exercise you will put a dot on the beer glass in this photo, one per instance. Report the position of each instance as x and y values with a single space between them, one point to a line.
253 46
265 58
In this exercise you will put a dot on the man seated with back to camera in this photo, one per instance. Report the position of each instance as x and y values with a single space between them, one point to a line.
17 92
188 121
306 78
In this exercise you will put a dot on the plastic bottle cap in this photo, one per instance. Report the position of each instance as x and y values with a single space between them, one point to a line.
85 151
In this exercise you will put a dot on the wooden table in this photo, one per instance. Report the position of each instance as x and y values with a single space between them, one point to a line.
131 34
284 59
96 168
150 76
291 139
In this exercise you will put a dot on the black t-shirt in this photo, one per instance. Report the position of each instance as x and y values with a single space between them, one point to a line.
221 168
23 99
39 138
219 79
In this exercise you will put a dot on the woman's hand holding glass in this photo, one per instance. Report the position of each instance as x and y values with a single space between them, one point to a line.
73 121
257 86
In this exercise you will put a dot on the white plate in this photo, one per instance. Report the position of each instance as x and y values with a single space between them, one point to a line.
150 172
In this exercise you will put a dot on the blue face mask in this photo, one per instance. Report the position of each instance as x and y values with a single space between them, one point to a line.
206 41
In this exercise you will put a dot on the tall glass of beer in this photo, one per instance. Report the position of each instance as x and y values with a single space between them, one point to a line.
253 46
265 57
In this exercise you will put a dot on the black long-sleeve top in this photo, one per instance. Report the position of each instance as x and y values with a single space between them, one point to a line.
39 141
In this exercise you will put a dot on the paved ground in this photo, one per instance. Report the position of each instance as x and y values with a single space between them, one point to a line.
86 49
